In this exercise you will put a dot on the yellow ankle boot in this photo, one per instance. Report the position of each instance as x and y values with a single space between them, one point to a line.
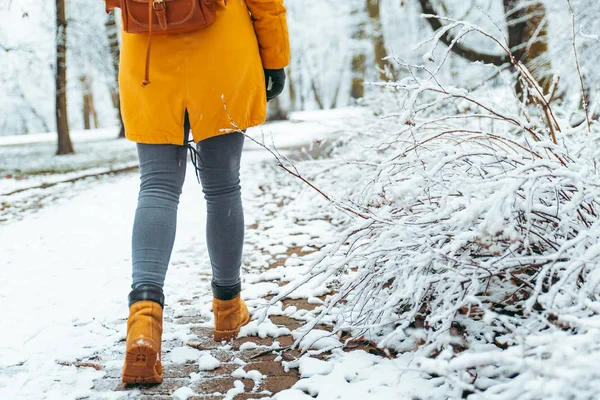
143 345
230 316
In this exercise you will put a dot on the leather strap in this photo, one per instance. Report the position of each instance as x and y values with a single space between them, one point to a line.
146 81
147 292
183 17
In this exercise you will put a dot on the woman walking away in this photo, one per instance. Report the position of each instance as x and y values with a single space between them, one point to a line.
208 65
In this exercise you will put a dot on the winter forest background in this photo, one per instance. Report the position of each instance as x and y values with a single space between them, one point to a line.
335 47
465 200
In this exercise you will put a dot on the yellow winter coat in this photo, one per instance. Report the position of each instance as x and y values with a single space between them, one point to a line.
215 73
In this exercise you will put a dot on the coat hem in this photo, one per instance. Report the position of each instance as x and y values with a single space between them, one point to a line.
150 138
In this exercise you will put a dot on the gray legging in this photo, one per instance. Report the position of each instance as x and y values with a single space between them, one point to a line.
162 176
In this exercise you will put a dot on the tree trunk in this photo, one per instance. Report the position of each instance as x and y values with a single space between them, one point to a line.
86 113
359 58
515 23
458 48
386 70
292 90
536 38
62 123
112 35
275 112
85 88
528 38
92 108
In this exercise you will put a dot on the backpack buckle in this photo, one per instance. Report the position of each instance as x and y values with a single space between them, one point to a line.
159 5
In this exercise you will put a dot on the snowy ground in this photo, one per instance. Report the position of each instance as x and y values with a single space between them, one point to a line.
28 165
28 161
66 270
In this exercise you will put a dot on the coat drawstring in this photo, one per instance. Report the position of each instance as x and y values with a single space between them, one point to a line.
159 6
195 157
146 81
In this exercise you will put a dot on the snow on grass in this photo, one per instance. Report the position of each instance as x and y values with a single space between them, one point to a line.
77 136
303 128
33 161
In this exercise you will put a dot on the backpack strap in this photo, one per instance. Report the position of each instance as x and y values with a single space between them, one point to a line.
151 7
160 8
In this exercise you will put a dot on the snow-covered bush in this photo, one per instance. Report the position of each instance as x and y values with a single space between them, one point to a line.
472 233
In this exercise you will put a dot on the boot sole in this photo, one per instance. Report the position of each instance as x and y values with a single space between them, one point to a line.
225 335
140 365
229 335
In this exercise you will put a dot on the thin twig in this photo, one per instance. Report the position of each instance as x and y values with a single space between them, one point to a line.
585 104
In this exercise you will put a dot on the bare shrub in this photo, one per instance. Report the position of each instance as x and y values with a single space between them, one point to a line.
474 233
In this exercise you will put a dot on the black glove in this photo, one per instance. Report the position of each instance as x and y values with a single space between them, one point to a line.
275 82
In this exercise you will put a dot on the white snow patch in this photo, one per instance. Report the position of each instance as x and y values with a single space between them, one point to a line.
248 346
254 375
208 363
313 366
292 394
266 329
180 355
260 289
317 339
237 389
361 376
315 300
183 393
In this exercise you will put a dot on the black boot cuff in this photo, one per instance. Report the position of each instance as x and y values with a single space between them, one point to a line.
226 292
147 292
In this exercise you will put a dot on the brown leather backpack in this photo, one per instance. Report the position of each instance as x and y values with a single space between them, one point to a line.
167 16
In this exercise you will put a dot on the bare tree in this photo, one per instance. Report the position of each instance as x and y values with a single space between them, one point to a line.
112 35
464 51
378 39
527 38
292 89
62 123
527 24
88 107
275 111
359 58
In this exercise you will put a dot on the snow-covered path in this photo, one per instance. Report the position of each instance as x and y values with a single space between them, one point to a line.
66 270
66 275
